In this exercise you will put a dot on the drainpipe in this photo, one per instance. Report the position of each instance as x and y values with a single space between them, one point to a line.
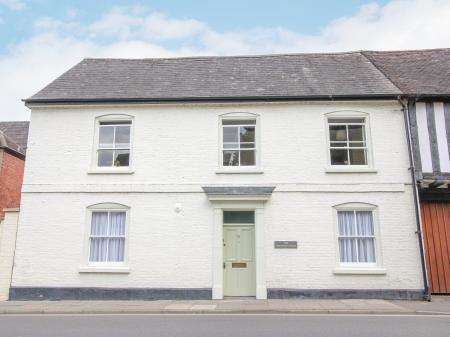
426 290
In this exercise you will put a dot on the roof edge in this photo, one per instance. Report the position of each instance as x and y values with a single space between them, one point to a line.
210 99
12 152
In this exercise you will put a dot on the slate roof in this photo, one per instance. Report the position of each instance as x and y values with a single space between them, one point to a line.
416 72
14 136
363 74
230 77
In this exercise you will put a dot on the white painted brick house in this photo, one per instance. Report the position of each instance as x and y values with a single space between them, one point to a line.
267 176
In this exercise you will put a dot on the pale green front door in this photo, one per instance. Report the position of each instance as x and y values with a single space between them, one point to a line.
239 260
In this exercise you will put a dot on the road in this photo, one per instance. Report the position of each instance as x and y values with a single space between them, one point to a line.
172 325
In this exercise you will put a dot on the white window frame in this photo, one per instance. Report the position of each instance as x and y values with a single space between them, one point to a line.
88 266
240 169
369 167
95 169
358 267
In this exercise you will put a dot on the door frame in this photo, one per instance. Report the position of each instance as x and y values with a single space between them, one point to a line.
219 206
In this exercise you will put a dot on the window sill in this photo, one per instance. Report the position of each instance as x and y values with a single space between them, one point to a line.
359 271
239 171
110 270
116 171
350 170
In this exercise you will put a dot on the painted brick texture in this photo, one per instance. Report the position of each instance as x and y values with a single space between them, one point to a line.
11 176
8 232
175 152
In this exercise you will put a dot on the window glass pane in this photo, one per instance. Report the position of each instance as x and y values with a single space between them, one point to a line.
247 133
346 120
338 133
114 122
105 157
248 146
347 250
366 250
106 137
358 144
358 157
247 158
98 250
99 223
238 217
231 146
346 223
121 157
364 223
338 144
122 137
116 250
356 132
117 223
231 134
338 157
238 121
230 158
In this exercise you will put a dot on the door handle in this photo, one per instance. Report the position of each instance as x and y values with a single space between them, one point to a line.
224 265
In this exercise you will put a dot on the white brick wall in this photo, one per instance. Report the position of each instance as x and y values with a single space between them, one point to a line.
175 153
8 230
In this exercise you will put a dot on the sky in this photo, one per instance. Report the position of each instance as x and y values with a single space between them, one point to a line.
40 39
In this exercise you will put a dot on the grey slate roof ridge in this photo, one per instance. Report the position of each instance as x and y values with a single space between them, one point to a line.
220 56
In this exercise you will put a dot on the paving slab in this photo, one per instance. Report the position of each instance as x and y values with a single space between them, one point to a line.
202 307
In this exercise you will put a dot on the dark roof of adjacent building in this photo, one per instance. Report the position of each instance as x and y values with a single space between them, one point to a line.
416 72
363 74
230 77
14 136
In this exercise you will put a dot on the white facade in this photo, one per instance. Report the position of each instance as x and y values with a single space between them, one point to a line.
8 232
171 238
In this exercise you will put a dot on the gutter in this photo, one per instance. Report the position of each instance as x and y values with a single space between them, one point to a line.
13 152
426 290
141 100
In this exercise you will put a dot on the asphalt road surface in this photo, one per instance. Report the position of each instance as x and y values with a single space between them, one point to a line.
171 325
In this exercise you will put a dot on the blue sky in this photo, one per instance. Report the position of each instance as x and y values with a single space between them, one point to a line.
307 17
40 39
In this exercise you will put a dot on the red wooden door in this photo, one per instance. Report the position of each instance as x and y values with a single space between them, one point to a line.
436 230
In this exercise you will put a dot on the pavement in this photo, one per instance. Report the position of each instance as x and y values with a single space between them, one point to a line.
440 305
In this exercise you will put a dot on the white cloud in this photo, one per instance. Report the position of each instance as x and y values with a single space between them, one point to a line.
15 5
140 32
130 23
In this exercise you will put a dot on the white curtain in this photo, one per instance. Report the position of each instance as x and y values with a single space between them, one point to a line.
356 231
366 246
117 245
107 243
347 246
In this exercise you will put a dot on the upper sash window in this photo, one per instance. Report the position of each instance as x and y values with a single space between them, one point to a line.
239 142
348 144
114 143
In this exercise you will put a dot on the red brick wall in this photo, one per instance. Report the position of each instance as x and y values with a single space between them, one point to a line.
11 176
